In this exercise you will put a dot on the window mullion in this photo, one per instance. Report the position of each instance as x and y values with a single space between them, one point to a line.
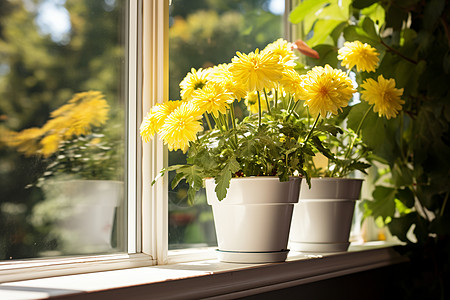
155 89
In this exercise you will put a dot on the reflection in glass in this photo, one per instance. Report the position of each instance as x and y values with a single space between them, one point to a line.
203 34
62 128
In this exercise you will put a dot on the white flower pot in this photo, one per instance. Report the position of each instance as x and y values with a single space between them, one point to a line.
85 213
252 222
322 219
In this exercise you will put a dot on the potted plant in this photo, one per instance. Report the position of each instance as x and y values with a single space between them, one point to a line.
323 217
250 167
80 180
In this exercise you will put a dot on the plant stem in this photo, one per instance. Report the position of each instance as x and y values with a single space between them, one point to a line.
292 110
398 53
208 121
267 100
312 129
349 150
218 123
441 213
259 109
233 121
276 98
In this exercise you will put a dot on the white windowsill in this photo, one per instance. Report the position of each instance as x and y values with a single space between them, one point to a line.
205 278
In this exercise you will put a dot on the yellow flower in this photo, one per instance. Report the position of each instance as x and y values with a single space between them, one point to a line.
50 144
155 118
181 127
326 90
82 112
213 98
194 80
251 101
363 56
283 49
221 74
256 70
384 95
292 83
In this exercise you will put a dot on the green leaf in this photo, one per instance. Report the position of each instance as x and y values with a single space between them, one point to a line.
360 166
322 30
224 177
400 226
376 13
433 11
383 204
360 4
369 28
305 8
353 33
406 196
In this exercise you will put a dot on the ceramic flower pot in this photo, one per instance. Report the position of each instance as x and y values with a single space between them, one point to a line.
322 219
252 222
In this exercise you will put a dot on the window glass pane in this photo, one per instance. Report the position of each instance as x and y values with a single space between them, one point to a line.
202 34
62 127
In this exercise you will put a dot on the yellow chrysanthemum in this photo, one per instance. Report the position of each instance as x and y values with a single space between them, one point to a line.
256 70
50 144
77 117
363 56
283 49
292 83
181 127
221 74
251 101
213 98
156 117
194 80
384 95
326 90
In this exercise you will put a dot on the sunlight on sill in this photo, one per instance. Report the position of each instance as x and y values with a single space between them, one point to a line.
299 268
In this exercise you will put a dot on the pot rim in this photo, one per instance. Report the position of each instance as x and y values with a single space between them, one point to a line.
337 178
258 177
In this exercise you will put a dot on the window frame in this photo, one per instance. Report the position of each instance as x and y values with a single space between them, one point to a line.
146 24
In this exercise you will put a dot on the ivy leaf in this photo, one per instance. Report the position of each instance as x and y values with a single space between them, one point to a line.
322 30
406 196
224 177
383 204
400 226
369 28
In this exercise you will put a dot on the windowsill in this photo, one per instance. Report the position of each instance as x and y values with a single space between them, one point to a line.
206 278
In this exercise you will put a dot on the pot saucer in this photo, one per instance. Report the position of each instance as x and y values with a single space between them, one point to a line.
252 257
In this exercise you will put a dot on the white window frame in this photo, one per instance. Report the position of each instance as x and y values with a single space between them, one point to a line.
147 79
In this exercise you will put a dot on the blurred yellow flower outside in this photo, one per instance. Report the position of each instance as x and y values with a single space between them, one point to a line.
383 95
78 117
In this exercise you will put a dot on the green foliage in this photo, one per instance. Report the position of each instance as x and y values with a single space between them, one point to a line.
276 148
413 40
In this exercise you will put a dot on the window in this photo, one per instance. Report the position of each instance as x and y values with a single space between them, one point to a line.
63 109
203 34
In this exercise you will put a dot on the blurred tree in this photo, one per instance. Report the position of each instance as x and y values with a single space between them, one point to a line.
37 75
